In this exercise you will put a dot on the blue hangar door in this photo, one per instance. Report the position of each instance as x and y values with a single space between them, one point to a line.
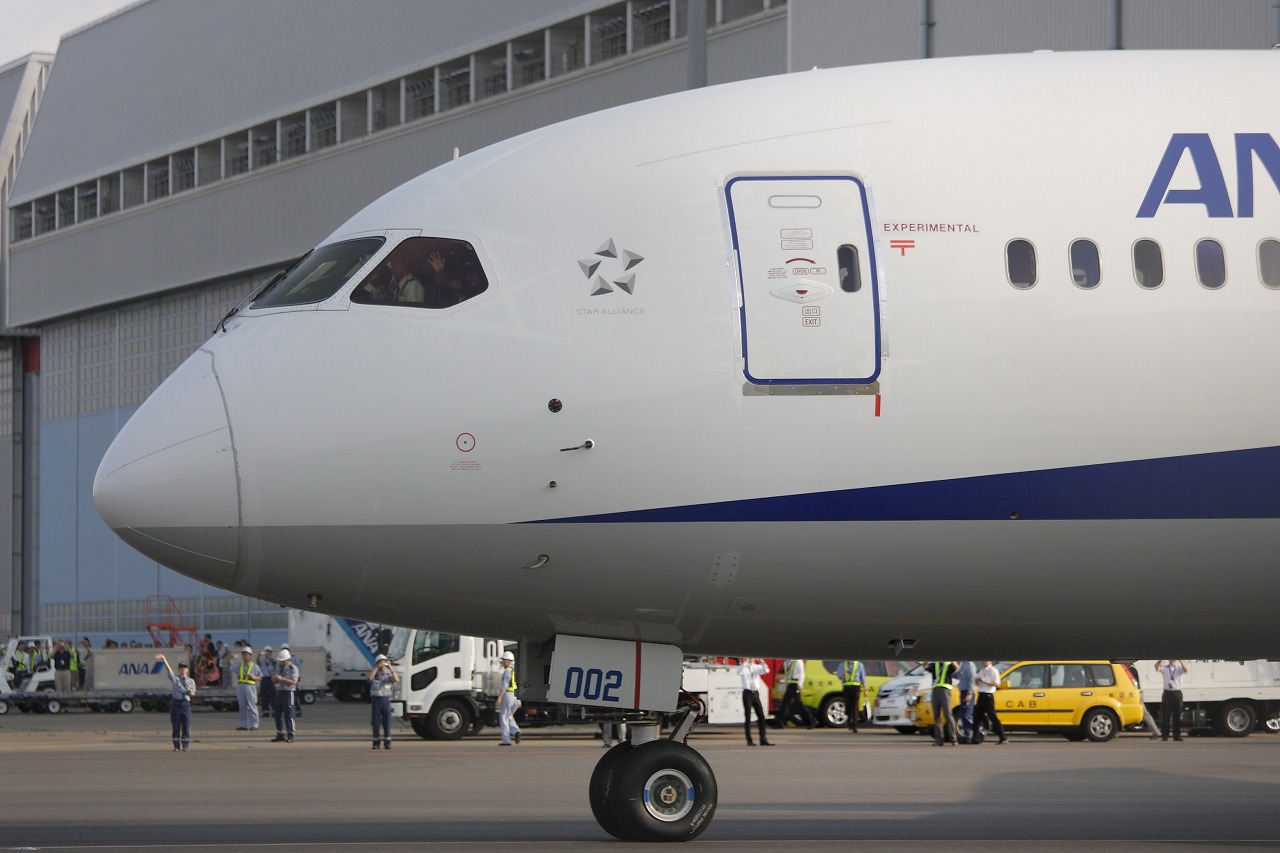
807 277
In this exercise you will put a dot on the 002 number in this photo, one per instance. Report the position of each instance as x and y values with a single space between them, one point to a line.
592 684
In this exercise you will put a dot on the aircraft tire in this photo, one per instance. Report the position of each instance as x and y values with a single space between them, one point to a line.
603 784
1099 725
665 791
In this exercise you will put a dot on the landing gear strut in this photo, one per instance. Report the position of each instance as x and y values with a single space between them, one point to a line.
649 789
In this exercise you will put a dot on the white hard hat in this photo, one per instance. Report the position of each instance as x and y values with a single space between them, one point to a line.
267 648
283 655
508 656
246 650
379 657
284 645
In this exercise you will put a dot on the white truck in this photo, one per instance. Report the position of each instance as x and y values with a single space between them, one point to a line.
125 679
1231 698
351 646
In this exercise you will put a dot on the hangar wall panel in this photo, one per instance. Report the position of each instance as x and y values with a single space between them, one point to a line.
831 33
165 58
1152 24
971 27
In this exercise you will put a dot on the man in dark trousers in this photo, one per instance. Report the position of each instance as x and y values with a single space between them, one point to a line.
792 705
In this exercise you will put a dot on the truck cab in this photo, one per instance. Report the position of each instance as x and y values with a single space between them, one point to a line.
448 683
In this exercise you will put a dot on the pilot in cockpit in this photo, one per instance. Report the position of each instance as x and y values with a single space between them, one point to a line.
405 285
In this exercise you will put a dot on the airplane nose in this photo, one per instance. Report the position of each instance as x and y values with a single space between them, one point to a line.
167 484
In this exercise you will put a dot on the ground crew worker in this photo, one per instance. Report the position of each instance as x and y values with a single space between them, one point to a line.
184 688
286 683
247 677
1171 698
85 652
266 689
73 664
507 702
20 666
853 677
750 671
793 677
944 724
988 682
382 681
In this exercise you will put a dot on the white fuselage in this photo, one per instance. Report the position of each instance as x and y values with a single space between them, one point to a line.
985 470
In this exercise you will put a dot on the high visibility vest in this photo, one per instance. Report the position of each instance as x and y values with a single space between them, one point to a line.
790 673
851 673
245 669
22 661
939 669
510 676
75 660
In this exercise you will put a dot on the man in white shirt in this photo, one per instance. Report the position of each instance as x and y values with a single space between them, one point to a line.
1171 699
986 683
750 671
793 675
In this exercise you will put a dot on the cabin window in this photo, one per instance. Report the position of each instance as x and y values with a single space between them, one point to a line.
320 274
1269 263
1020 260
1211 264
1086 268
424 272
850 272
1148 264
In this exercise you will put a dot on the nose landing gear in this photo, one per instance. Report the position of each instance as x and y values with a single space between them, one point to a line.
654 790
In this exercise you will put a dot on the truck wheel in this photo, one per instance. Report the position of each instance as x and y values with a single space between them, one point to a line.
662 791
125 706
4 707
308 697
1235 719
53 706
449 720
1272 724
1099 725
832 712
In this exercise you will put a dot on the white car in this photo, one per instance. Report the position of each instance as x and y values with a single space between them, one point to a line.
893 703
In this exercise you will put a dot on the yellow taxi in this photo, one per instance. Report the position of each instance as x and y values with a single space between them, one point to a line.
1082 700
823 693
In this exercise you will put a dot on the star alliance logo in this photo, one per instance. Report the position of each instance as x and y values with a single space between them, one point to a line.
596 269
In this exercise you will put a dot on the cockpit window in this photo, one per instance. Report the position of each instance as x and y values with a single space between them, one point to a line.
320 274
424 272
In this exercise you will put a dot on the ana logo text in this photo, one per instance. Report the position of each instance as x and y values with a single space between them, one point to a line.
1212 192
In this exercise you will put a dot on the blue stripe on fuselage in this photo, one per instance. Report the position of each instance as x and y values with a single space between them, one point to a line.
1231 484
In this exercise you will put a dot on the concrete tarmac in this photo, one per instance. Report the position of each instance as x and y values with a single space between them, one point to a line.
80 781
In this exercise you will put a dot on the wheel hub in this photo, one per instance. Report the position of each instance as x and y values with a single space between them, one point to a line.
668 795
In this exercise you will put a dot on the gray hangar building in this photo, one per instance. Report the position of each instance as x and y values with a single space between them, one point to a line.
173 156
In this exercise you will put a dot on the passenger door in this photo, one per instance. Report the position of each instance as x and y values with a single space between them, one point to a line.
1070 691
808 288
1025 702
